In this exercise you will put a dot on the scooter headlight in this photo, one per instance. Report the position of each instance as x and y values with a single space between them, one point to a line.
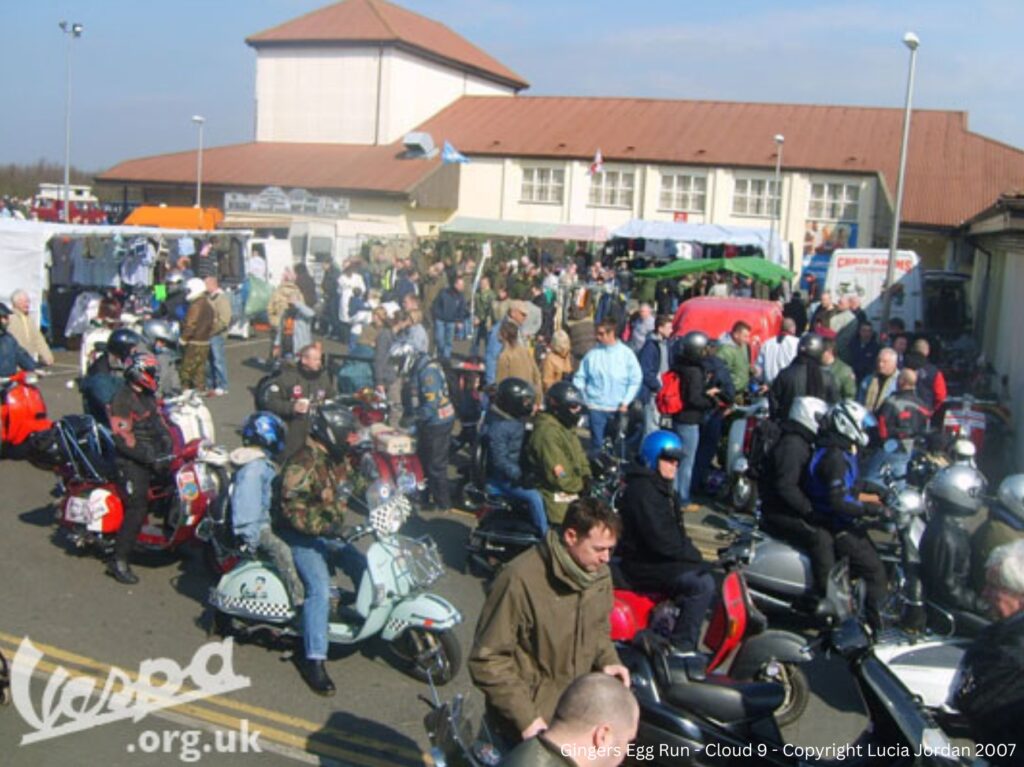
741 464
406 482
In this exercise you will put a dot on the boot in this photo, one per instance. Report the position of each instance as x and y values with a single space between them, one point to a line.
315 674
121 571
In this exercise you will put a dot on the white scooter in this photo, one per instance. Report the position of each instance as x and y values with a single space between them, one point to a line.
392 598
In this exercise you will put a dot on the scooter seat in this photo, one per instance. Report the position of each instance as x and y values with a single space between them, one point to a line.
510 516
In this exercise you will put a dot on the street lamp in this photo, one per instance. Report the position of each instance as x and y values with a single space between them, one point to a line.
72 30
199 120
779 140
912 42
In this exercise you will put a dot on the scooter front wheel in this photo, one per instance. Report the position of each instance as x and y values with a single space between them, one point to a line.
433 654
797 690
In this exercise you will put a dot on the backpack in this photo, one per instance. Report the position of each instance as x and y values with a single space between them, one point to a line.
669 399
263 388
763 439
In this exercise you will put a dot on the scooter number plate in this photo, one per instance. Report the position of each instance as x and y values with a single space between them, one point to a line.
77 511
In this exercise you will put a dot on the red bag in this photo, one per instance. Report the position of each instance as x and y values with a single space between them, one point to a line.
669 399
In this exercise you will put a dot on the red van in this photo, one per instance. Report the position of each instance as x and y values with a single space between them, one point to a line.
716 316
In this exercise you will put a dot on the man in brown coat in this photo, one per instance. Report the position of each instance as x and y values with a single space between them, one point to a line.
545 622
195 336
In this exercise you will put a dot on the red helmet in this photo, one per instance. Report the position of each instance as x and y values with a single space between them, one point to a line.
143 371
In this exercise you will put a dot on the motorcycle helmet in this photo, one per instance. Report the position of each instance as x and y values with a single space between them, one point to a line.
515 397
693 346
811 346
5 310
332 425
175 282
1011 495
265 430
660 444
160 330
143 370
123 342
565 403
850 420
403 357
194 288
809 412
956 490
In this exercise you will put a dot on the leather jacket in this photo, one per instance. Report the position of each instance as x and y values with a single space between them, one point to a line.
946 566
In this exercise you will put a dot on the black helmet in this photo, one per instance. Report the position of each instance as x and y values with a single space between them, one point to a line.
143 370
516 397
693 346
565 403
5 310
331 427
811 346
123 342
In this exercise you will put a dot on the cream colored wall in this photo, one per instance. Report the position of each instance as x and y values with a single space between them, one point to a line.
1006 351
316 95
330 94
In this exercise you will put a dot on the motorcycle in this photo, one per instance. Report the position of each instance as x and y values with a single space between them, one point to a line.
22 414
451 727
693 718
91 506
738 640
391 599
986 423
742 487
382 452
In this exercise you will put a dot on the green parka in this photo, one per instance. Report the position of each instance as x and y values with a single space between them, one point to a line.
550 445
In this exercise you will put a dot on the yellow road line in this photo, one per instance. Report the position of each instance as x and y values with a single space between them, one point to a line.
274 716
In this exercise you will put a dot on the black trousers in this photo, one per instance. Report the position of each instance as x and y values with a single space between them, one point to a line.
134 492
693 592
816 541
432 445
865 564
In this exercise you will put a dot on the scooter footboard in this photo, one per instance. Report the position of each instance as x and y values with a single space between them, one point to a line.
424 610
782 646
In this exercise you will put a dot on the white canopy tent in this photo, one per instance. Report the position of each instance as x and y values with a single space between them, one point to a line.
705 234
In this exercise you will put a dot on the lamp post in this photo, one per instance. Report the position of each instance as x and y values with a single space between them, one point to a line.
779 140
199 120
72 30
912 42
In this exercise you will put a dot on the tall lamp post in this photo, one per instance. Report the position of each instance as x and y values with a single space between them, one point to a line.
912 42
779 140
199 120
72 30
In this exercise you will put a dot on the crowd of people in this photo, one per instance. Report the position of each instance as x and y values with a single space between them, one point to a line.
559 348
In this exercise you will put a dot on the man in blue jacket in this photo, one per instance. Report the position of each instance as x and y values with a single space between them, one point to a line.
449 311
609 378
655 360
426 398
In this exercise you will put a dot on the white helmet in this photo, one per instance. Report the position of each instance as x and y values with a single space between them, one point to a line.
851 420
1011 495
194 288
808 412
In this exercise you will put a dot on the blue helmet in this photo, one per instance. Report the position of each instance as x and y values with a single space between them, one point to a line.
265 430
660 444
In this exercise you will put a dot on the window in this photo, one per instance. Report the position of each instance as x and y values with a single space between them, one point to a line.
612 188
751 197
834 202
683 192
543 185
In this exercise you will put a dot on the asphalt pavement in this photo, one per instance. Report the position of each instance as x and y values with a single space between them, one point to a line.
85 625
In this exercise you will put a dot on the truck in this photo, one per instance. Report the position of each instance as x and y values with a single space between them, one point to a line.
83 206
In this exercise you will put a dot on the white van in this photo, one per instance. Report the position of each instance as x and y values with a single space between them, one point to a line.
862 271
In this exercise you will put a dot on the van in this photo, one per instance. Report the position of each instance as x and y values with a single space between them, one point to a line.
716 316
862 271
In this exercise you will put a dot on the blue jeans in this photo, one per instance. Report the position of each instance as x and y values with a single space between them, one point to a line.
689 433
444 335
217 370
530 495
599 420
314 559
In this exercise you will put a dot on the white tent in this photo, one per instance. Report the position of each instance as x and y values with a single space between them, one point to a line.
705 234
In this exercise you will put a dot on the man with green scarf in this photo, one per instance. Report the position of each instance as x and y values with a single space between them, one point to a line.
545 622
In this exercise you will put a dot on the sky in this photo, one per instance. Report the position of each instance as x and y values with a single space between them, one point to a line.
142 69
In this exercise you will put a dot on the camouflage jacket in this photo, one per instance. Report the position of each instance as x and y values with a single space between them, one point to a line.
310 501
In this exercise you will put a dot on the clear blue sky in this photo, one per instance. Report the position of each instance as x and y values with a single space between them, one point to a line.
144 67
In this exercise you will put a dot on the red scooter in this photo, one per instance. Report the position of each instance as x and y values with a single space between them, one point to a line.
382 452
738 641
92 505
22 414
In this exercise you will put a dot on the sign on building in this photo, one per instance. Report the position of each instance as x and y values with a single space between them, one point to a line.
297 202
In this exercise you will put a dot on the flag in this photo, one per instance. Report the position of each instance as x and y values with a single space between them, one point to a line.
597 166
450 154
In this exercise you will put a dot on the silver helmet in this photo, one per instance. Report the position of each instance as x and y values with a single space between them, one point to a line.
957 490
808 412
160 330
1011 495
851 420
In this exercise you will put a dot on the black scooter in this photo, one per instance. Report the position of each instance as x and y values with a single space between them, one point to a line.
692 718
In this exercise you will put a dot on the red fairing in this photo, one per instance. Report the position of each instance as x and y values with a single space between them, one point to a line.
24 411
728 623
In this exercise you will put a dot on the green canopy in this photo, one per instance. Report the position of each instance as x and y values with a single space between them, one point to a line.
749 266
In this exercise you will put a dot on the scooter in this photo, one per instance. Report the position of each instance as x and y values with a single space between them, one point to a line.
391 599
91 506
742 487
693 718
738 640
22 414
382 452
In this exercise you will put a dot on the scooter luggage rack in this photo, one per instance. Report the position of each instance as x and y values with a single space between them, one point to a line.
419 561
84 469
